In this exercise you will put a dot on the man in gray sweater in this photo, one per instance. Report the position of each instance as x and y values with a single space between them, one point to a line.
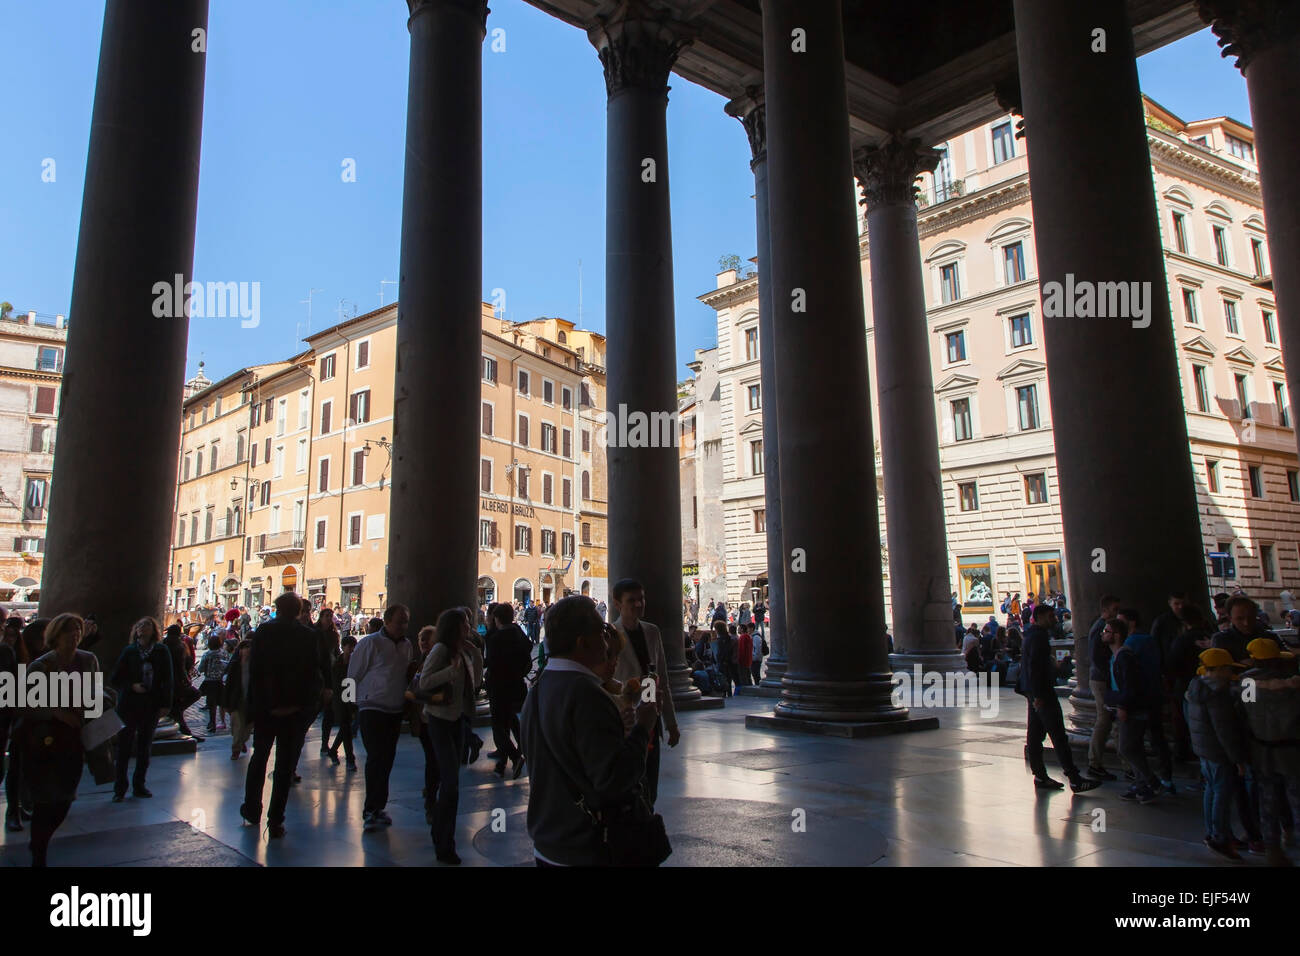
575 741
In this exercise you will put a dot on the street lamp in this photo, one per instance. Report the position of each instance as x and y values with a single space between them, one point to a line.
383 442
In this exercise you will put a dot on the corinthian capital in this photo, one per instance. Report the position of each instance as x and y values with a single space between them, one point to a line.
1245 27
477 8
638 46
888 172
750 109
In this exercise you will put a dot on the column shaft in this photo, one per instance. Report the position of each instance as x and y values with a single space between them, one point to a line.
909 439
645 537
433 538
830 528
1115 392
110 521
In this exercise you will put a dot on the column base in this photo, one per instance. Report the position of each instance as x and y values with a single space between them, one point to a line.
942 661
762 690
682 687
835 728
699 703
775 671
168 740
864 701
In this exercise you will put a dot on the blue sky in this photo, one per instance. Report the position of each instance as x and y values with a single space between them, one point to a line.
295 87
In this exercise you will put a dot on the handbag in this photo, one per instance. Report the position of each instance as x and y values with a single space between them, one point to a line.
633 834
100 730
437 696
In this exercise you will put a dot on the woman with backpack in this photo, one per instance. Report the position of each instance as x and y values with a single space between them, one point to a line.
212 668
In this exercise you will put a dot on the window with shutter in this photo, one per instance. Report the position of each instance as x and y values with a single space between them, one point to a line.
487 419
568 443
567 487
326 417
586 486
239 448
485 476
363 355
548 392
320 535
496 535
354 529
547 489
324 484
266 453
586 442
358 467
45 400
523 430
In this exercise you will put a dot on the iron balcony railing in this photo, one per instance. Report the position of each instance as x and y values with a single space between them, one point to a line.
279 541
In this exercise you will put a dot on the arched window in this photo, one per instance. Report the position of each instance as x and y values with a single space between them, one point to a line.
586 486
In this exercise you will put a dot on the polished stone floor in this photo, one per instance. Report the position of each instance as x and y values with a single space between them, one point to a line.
960 795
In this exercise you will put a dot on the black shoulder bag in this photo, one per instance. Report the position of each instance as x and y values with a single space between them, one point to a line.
632 832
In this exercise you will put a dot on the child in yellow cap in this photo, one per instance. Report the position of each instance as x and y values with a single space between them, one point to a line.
1219 741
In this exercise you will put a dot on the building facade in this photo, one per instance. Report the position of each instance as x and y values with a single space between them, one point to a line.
990 375
286 470
31 374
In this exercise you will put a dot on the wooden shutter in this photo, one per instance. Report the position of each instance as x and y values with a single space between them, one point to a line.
568 493
487 419
363 354
324 475
266 453
320 534
326 413
496 535
44 401
568 443
352 407
485 475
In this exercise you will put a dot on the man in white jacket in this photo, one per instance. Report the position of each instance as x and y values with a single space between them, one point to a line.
643 653
381 668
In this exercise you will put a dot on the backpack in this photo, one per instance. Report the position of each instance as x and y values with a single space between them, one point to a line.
763 646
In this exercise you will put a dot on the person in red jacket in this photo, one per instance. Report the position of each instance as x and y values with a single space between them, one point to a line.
744 654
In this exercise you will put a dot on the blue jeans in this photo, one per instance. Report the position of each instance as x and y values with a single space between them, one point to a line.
1217 800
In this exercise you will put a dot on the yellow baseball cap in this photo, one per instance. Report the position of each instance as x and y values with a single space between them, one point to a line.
1215 657
1263 649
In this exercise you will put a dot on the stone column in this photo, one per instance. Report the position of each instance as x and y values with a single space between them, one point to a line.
1115 392
837 678
750 111
110 525
1264 36
909 438
637 49
433 525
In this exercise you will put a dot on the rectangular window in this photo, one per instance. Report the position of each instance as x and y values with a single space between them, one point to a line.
760 520
961 420
1212 475
1270 330
1180 232
1257 255
43 442
1242 150
1036 488
949 284
239 448
975 581
268 410
523 382
266 452
363 355
1013 263
1283 409
548 489
1243 397
548 438
279 462
586 442
320 534
212 460
327 368
44 400
485 476
523 430
755 398
1220 245
304 408
1267 562
566 398
354 530
185 472
1230 317
548 391
301 462
198 461
1004 143
1189 307
489 370
1027 407
255 415
323 483
751 344
282 417
359 407
955 345
180 533
326 417
756 457
1202 388
548 542
487 419
522 482
485 533
566 445
358 467
49 359
265 490
523 538
566 491
566 544
194 530
34 501
1293 484
969 496
1256 475
1021 331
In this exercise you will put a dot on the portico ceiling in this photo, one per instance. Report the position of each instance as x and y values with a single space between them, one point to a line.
928 69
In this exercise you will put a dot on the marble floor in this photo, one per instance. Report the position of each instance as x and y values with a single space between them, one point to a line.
957 796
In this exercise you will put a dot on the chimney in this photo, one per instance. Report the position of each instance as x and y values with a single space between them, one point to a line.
31 317
59 321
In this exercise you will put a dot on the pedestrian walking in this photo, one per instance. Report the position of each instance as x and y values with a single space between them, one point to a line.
142 678
381 668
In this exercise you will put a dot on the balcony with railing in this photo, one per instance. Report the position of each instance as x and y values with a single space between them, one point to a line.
279 542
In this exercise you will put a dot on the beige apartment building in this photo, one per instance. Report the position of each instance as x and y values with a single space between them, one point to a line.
31 375
296 494
997 444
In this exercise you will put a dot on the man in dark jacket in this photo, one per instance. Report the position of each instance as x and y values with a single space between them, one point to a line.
284 690
143 679
575 741
508 659
1242 628
1098 683
1270 703
1218 740
1134 686
1148 652
181 685
1037 682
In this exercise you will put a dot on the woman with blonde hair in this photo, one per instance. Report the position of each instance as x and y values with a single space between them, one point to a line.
51 736
143 678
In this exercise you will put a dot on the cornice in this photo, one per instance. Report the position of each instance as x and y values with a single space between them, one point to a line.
738 291
1178 158
1009 192
36 375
